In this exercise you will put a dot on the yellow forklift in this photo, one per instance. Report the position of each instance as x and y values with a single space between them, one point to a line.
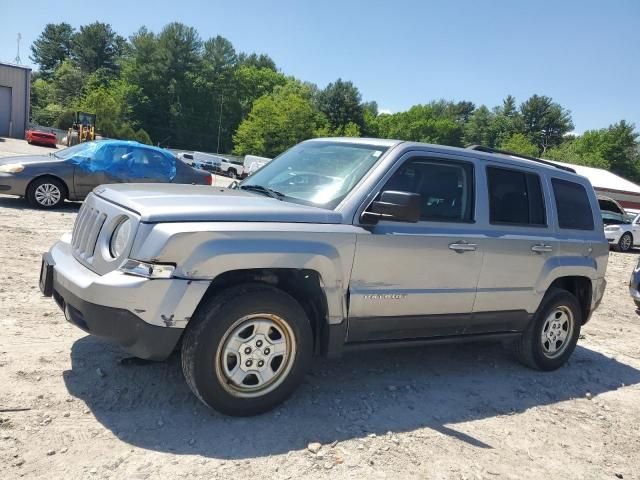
83 129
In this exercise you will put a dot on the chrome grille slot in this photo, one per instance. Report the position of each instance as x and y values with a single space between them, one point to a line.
86 230
92 231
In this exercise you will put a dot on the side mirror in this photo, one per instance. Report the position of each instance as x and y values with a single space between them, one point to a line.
395 206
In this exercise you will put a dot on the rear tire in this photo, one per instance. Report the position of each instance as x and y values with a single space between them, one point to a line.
625 244
552 333
46 193
233 174
247 349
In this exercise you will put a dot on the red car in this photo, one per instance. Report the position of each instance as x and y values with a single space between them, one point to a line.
40 137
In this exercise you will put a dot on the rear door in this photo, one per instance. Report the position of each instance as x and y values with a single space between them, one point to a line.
519 241
147 165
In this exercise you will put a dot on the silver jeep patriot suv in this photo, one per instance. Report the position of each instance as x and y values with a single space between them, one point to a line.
336 245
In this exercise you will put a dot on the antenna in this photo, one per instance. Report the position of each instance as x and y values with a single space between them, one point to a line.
17 59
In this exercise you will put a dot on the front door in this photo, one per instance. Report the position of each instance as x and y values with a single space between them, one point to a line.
141 165
413 280
89 168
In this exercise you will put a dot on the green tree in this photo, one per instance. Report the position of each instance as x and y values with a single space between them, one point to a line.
276 122
257 61
614 148
370 119
623 150
97 46
163 70
219 55
573 151
67 84
480 129
544 122
508 108
340 101
142 137
421 123
52 47
519 143
253 82
112 108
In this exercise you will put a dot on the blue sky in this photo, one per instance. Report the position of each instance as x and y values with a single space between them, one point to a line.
585 54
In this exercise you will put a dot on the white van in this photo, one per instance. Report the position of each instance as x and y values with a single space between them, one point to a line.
252 163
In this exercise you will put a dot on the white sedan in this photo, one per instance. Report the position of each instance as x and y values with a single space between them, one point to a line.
623 236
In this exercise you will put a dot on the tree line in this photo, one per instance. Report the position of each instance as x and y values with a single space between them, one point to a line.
176 89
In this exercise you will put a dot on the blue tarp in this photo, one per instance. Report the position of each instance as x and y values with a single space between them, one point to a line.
122 160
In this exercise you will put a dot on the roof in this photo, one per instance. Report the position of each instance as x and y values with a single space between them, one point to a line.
132 143
13 65
502 156
377 142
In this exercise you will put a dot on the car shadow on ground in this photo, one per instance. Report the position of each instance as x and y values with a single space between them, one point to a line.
150 406
17 203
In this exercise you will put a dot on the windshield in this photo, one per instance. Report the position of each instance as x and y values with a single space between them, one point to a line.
318 173
81 150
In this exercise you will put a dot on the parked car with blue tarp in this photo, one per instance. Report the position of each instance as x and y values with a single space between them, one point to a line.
47 180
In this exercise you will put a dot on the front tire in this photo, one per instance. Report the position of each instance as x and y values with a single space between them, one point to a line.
232 173
247 349
553 332
46 193
625 243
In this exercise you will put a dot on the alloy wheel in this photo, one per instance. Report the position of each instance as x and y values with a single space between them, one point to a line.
625 242
47 194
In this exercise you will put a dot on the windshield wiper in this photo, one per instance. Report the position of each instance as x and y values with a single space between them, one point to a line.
262 189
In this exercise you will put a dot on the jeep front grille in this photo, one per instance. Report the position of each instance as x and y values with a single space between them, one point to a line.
86 230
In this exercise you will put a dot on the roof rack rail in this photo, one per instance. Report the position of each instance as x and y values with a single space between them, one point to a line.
481 148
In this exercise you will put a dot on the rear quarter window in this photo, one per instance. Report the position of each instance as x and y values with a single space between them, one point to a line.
572 204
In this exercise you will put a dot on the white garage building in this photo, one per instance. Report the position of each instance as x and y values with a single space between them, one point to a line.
15 88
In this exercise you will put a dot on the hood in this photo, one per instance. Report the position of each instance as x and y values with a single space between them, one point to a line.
27 159
191 203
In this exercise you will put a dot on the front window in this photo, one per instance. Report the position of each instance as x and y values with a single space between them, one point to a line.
319 173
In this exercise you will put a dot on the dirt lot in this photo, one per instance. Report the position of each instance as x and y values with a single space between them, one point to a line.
74 407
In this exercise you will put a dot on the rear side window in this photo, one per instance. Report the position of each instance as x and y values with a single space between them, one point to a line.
572 203
515 197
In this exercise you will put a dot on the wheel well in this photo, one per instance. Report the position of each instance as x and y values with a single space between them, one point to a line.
580 287
64 184
305 286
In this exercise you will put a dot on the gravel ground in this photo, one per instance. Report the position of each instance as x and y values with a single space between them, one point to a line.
74 407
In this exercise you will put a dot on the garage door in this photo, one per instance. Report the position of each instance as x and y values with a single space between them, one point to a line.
5 111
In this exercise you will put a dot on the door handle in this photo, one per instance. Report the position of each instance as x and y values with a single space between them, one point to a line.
541 248
462 247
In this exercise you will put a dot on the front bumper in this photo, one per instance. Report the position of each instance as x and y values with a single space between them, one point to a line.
14 183
613 237
146 317
118 326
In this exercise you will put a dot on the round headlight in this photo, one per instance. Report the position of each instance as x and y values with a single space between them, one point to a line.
120 238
